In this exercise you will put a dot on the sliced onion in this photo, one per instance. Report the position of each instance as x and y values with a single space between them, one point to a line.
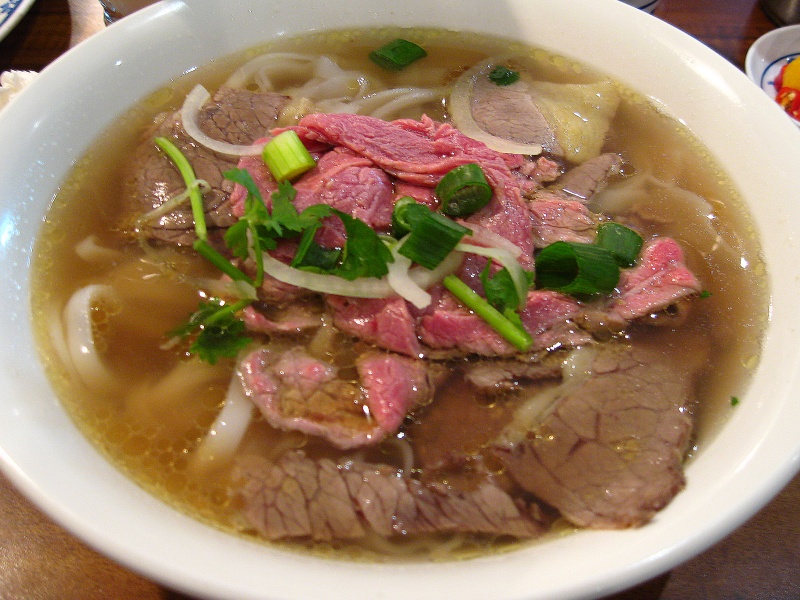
190 112
227 431
400 281
505 258
365 287
461 112
489 238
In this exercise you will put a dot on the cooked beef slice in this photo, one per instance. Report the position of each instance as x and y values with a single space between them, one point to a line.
588 178
296 391
547 316
559 219
509 112
233 116
504 375
300 497
387 323
293 317
610 453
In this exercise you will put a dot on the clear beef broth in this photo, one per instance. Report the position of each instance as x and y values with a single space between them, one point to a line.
151 420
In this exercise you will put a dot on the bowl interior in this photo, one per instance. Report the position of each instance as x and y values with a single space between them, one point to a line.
57 117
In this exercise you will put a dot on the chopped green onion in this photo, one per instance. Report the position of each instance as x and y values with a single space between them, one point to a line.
397 55
577 269
189 178
432 235
623 243
505 258
218 260
403 215
513 332
286 157
464 190
501 75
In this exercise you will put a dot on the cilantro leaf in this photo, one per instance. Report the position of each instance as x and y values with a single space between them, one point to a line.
220 340
218 331
364 254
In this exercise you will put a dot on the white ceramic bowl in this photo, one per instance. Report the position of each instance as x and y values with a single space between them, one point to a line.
768 54
52 122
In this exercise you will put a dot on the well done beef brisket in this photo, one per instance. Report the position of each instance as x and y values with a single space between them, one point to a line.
299 497
610 453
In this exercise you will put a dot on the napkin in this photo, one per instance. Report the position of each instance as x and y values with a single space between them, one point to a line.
12 83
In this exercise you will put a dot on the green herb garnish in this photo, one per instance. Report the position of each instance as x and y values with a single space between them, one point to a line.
397 55
218 332
501 75
507 324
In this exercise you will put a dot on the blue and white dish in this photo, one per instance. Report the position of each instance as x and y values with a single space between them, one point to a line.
769 54
11 11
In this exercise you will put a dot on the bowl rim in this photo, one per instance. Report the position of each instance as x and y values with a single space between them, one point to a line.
192 569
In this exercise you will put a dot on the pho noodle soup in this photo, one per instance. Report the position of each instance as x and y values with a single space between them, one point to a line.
376 298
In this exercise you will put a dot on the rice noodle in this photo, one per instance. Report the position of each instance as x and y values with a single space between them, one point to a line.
90 251
383 105
227 431
461 111
80 330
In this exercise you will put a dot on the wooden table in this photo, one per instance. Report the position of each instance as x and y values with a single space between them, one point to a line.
38 559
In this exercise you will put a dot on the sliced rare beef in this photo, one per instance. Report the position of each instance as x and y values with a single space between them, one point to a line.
296 391
610 452
300 497
233 116
509 112
421 152
659 279
387 323
547 316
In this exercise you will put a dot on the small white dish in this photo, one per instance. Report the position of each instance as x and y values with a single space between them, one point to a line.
768 54
10 14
